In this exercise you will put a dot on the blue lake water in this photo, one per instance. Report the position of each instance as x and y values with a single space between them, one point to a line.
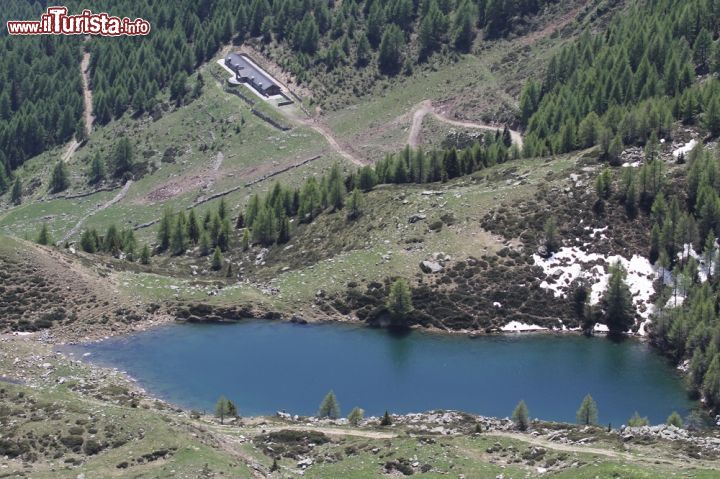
267 366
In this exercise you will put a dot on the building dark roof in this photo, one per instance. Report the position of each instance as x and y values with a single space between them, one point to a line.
248 70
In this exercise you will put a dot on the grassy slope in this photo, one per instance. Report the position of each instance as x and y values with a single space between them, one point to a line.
331 252
207 123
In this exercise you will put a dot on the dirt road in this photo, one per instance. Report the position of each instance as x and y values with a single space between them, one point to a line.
426 107
87 113
87 93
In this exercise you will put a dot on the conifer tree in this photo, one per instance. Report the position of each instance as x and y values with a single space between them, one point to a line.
222 209
386 419
193 228
551 239
80 131
217 259
336 189
433 27
615 150
464 26
17 192
711 382
520 416
223 237
356 205
363 53
399 301
452 166
44 236
390 56
711 120
588 413
178 241
164 231
284 230
355 416
97 170
88 242
674 420
329 408
129 244
264 230
123 157
619 310
204 244
145 255
59 180
222 409
367 178
112 242
637 421
245 240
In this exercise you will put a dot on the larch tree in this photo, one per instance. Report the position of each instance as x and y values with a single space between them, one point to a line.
17 192
145 255
178 241
356 205
217 259
329 407
588 413
520 416
59 180
551 239
390 56
617 300
222 409
399 301
44 236
97 170
193 227
674 419
355 416
123 157
164 231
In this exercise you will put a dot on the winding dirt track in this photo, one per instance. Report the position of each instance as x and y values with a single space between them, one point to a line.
426 107
325 132
121 194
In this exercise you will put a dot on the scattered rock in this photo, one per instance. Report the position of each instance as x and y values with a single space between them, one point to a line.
429 267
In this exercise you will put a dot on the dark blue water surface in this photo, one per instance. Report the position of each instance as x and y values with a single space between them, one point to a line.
269 366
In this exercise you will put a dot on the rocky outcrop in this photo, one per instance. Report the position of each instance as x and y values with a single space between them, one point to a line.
206 313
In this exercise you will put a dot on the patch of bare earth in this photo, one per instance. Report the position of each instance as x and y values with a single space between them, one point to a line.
195 181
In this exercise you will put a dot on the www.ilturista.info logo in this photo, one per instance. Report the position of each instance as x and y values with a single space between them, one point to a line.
57 22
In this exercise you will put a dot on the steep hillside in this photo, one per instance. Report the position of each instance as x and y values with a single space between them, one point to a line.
62 294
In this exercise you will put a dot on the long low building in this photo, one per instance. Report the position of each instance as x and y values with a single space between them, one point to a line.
247 72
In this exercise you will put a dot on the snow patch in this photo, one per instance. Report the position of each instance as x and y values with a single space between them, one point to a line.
600 328
516 326
687 148
572 263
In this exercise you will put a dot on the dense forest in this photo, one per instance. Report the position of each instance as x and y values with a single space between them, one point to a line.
636 78
40 91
